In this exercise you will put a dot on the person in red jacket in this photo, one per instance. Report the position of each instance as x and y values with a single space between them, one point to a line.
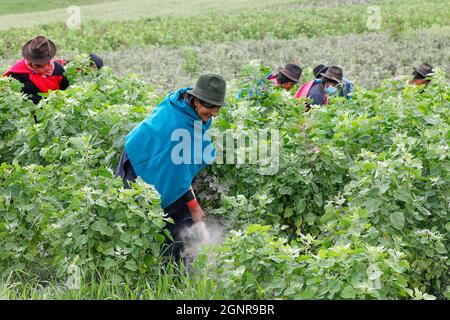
38 71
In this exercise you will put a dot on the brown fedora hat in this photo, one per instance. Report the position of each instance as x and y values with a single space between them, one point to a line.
39 50
292 71
333 73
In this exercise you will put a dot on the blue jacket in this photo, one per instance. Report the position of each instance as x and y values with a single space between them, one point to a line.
347 88
170 147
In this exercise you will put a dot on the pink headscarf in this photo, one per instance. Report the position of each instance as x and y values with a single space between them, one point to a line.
46 70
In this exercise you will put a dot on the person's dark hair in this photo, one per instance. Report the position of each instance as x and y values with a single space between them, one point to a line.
281 78
189 99
326 80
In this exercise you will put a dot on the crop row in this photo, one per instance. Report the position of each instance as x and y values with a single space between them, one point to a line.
365 58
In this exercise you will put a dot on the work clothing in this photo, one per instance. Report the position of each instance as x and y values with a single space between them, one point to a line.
170 147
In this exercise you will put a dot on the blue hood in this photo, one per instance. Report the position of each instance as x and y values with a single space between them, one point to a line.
156 158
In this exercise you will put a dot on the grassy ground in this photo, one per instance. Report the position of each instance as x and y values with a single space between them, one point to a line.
126 10
170 283
27 6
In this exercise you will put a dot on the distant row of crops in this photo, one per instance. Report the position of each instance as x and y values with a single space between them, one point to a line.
282 23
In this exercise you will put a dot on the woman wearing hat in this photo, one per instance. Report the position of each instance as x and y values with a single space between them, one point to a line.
286 77
318 91
152 150
38 72
422 75
347 86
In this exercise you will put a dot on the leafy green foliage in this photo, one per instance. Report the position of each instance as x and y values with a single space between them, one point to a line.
377 165
59 203
54 217
255 264
359 200
88 121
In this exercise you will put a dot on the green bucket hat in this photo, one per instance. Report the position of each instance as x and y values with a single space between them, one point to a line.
210 88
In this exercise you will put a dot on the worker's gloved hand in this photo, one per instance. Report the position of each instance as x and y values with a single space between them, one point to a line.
197 214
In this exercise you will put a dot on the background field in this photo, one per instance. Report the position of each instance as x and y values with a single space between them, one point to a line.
144 37
37 12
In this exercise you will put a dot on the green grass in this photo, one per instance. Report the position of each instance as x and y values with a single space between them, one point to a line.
171 282
26 6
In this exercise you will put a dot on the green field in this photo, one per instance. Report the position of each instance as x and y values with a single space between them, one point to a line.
359 206
119 10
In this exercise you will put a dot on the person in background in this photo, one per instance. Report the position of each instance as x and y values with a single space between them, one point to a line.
38 71
96 62
347 86
150 147
422 75
318 90
286 78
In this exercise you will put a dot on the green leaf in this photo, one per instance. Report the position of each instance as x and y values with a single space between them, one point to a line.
398 220
286 190
373 272
373 205
348 293
102 227
318 199
125 237
301 205
253 228
288 212
308 293
310 218
109 263
404 195
131 265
